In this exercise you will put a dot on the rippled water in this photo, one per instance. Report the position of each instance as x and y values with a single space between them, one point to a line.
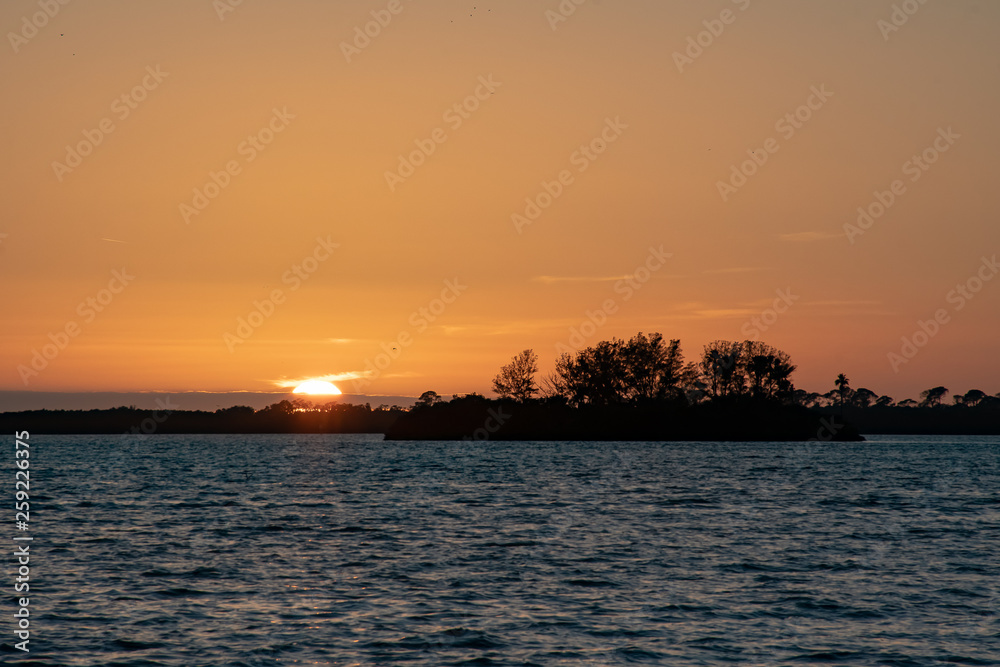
346 550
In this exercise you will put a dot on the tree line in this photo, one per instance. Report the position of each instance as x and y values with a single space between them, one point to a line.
649 368
641 388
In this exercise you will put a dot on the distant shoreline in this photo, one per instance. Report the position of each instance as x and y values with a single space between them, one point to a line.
469 418
478 418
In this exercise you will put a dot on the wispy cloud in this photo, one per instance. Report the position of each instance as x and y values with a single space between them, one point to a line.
114 240
808 237
519 327
697 311
285 342
736 269
842 303
577 279
720 313
333 377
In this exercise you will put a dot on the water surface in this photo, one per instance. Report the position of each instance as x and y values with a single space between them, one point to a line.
346 550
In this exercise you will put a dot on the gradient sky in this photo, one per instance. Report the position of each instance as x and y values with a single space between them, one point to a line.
655 185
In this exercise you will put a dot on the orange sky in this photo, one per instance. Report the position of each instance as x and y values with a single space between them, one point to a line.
631 134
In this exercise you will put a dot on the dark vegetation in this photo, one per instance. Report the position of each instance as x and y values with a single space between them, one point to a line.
637 389
478 418
973 413
283 417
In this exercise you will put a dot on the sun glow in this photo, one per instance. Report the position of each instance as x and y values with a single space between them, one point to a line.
317 388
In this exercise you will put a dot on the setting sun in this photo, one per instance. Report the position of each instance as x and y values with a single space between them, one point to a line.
317 387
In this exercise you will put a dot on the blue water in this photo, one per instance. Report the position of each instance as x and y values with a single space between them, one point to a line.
346 550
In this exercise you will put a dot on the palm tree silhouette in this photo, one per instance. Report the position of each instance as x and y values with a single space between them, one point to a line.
843 387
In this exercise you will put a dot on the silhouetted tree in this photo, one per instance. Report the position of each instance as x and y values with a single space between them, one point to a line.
751 367
565 381
720 368
597 375
830 398
236 411
932 397
807 399
768 370
843 385
654 369
884 402
427 399
516 380
971 398
550 387
645 368
281 408
863 398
